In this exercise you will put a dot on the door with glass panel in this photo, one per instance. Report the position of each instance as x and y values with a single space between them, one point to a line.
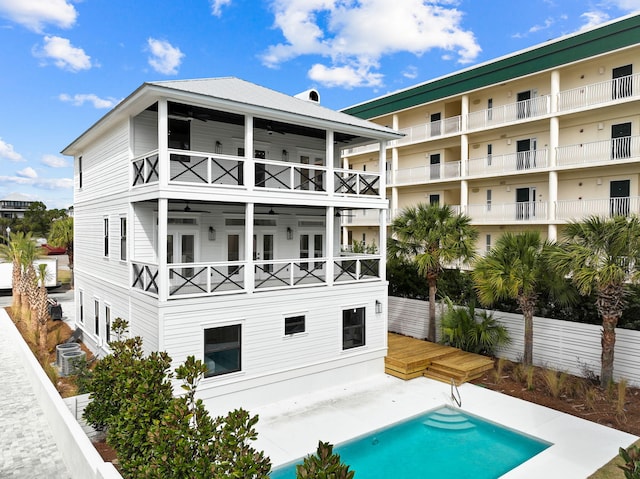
263 250
181 248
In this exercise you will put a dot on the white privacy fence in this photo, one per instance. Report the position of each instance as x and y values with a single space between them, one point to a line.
562 345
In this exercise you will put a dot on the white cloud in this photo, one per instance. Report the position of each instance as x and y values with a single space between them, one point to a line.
593 18
7 151
355 35
216 6
410 72
54 161
630 5
45 183
35 14
165 58
80 99
63 54
344 76
27 172
547 23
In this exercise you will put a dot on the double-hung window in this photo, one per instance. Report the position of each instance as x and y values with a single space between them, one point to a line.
222 350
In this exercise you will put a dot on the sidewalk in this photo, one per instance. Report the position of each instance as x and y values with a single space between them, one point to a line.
27 447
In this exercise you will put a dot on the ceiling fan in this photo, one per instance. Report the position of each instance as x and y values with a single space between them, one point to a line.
187 209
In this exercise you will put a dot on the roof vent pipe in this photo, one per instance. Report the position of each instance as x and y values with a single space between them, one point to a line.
310 95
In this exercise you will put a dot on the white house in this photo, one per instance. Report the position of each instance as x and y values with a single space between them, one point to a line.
207 214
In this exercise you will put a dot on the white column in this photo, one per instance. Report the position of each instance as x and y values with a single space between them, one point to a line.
464 155
249 273
555 90
382 161
330 232
464 196
383 245
163 142
464 112
163 270
249 164
330 163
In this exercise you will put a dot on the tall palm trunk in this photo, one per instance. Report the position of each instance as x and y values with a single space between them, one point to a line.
431 331
527 305
42 314
16 305
608 342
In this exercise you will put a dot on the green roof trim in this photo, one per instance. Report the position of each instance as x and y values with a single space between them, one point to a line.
610 37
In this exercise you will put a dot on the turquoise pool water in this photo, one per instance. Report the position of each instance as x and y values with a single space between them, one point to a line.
443 443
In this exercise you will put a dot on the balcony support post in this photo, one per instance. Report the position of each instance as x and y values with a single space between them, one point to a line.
329 163
163 142
332 234
383 243
249 270
464 196
249 163
163 270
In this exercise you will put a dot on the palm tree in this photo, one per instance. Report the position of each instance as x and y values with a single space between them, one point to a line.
13 252
432 236
61 235
601 256
28 278
516 268
42 312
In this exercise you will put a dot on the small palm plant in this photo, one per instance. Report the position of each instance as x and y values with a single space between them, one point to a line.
475 332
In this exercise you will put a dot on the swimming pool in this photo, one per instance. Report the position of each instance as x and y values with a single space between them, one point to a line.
444 442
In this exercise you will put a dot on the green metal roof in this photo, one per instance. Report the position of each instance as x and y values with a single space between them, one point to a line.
600 40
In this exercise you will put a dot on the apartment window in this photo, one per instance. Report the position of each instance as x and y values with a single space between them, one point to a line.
123 239
621 140
622 82
489 154
294 324
96 317
107 322
106 237
490 109
488 243
81 301
80 172
364 238
434 199
488 200
222 350
353 328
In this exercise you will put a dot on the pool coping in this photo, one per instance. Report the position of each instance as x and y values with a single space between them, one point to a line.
291 429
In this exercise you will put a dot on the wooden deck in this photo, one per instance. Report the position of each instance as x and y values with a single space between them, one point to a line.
409 358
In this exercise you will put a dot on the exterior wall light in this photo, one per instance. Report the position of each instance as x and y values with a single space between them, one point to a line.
212 234
289 233
378 307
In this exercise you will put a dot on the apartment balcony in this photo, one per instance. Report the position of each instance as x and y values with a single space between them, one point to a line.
426 131
520 161
367 217
190 280
625 148
575 209
220 171
617 89
496 213
510 113
422 174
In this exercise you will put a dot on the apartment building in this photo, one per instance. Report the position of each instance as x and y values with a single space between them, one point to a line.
530 140
207 214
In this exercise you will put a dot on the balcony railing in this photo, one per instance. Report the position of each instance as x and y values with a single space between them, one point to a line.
576 209
186 280
598 151
353 182
597 93
507 212
421 174
367 217
499 115
497 164
424 131
289 176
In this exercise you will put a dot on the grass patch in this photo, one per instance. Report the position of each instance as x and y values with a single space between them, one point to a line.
611 469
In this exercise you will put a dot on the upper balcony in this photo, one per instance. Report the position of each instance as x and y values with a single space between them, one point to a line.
524 110
615 90
595 152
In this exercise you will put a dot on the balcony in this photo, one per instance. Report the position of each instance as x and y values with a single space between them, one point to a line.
625 148
205 169
368 217
422 174
496 213
190 280
426 131
617 89
512 112
576 209
520 161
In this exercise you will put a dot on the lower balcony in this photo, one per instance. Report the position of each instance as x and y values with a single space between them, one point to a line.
187 280
575 209
496 213
599 152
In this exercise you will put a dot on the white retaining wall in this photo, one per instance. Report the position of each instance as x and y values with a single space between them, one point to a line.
562 345
82 459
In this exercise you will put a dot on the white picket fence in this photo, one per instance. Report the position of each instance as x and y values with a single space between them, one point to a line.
562 345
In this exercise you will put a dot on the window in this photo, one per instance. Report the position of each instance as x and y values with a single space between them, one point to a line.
81 301
294 324
80 172
490 109
96 316
107 322
622 81
352 328
434 199
123 239
488 200
106 237
222 350
489 154
488 243
233 252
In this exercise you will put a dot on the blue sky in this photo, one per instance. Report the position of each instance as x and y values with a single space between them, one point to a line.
65 63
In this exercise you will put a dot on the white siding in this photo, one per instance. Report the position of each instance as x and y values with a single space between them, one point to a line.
145 136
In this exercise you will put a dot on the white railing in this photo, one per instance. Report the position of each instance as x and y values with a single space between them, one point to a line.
367 217
520 161
598 151
370 148
424 131
611 90
521 211
577 209
421 174
499 115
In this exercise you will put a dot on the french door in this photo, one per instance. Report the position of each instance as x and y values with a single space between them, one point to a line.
181 248
525 203
263 250
619 197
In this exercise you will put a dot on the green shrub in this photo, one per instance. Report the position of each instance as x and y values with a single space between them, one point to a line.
324 464
631 458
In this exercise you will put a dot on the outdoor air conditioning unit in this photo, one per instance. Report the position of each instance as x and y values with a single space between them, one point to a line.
70 362
64 348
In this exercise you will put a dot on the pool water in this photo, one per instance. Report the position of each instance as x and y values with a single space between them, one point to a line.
443 443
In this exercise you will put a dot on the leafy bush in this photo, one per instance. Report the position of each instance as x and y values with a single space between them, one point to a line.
470 331
631 458
324 464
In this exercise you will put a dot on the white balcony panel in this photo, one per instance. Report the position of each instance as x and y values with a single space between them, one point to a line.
508 212
422 174
577 209
361 218
422 132
512 162
518 111
611 90
627 147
